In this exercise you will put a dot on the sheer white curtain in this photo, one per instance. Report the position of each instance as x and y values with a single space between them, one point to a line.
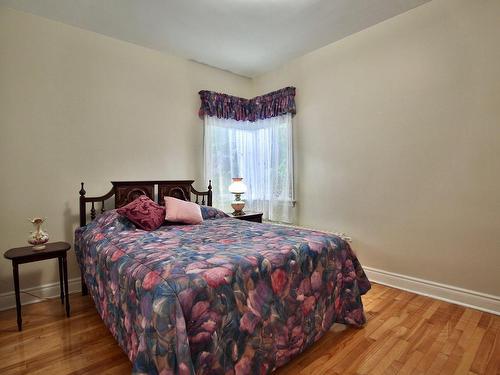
261 153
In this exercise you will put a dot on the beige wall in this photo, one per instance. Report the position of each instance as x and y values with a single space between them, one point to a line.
398 141
397 134
78 106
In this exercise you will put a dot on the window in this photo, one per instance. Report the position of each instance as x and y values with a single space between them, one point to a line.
261 153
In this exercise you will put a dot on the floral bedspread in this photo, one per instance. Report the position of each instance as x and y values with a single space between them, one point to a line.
223 297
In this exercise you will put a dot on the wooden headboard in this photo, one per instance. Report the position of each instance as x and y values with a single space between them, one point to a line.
126 191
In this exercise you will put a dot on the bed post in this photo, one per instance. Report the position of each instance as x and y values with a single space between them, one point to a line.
209 197
83 221
83 216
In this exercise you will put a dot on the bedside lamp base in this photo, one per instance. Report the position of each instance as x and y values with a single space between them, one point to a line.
238 206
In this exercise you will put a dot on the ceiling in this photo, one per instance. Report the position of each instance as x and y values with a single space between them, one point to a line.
246 37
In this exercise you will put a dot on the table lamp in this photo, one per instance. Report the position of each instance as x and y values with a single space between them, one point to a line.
237 187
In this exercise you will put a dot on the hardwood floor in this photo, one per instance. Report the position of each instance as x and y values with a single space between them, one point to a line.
405 334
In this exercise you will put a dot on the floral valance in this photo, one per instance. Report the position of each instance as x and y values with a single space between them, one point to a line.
274 104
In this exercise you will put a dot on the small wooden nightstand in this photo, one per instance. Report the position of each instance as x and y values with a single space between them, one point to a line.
26 254
249 216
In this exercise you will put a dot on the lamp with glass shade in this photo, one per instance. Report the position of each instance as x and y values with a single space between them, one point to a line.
237 188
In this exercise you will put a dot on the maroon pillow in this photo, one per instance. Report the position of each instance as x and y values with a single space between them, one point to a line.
144 213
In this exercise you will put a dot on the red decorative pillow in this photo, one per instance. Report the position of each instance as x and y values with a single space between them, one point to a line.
144 213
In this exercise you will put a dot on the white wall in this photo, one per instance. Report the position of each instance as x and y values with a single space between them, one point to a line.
78 106
397 139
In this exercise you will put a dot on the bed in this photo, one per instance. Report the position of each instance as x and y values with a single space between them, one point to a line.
223 297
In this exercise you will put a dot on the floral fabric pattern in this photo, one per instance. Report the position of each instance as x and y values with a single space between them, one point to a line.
210 213
223 297
276 103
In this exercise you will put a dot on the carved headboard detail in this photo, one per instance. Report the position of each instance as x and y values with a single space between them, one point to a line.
176 189
126 191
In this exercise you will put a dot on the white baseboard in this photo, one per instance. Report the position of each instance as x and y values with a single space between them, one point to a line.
8 300
448 293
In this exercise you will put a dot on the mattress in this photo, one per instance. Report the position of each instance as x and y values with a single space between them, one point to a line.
223 297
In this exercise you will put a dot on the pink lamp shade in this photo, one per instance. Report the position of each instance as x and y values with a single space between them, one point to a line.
237 186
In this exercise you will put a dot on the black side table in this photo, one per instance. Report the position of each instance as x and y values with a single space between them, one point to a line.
248 216
26 254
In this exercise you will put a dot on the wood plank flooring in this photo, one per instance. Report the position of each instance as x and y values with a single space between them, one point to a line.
405 334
